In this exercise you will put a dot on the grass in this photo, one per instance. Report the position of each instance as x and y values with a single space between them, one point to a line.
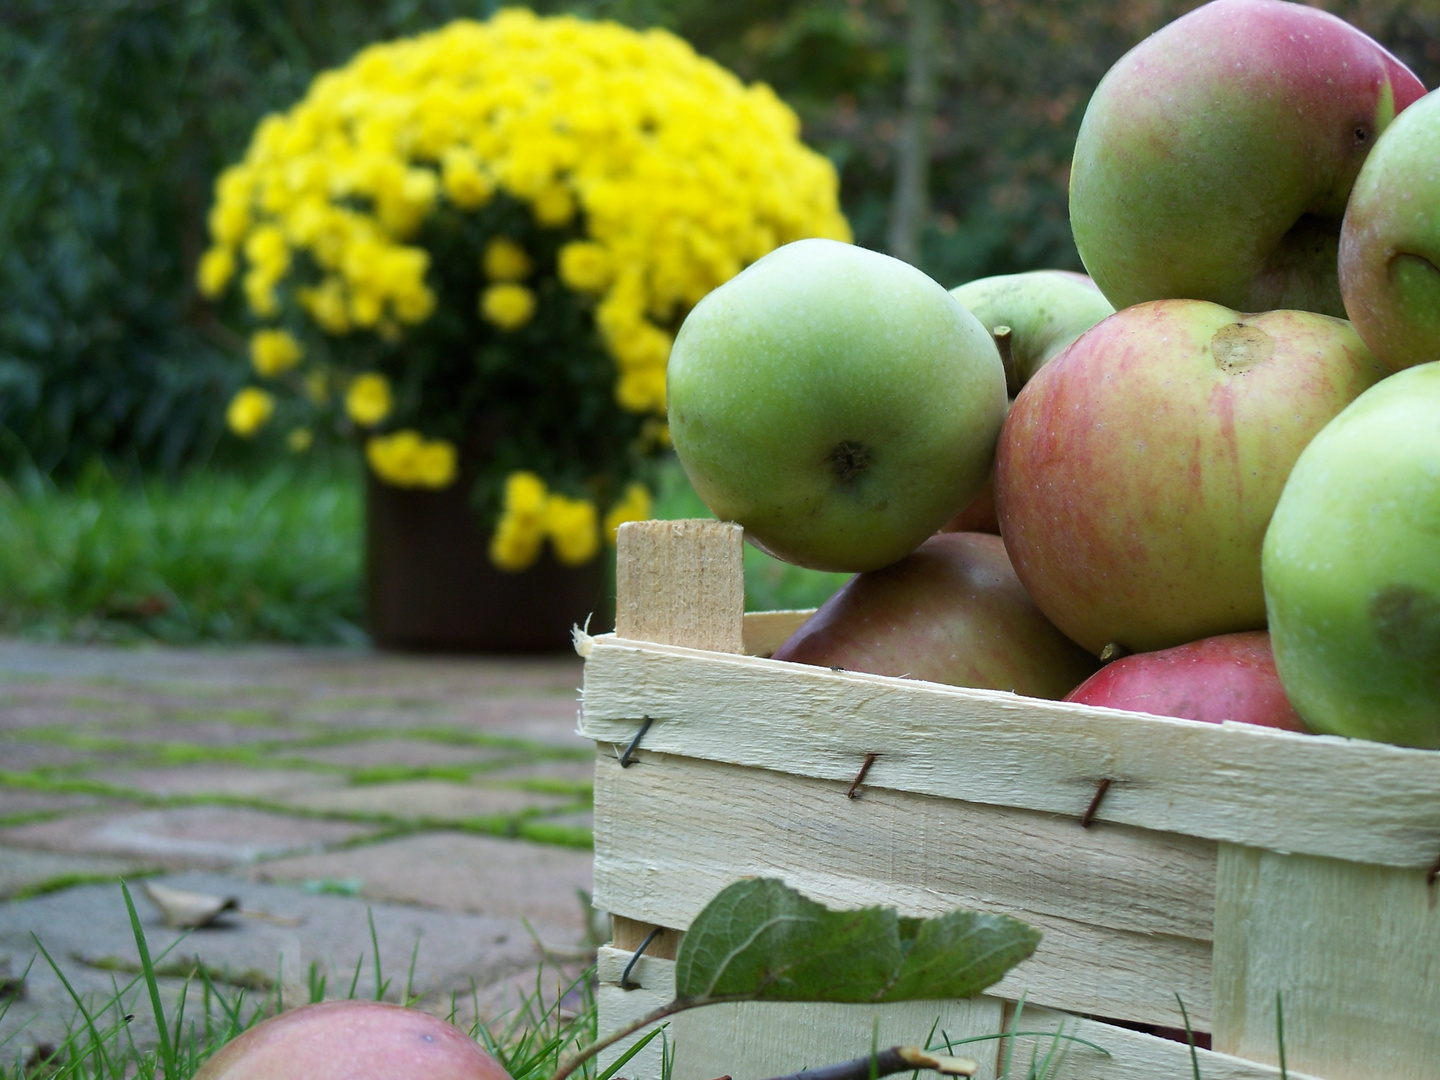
106 1040
269 555
214 558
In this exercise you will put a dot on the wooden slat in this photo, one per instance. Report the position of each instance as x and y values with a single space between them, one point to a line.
681 583
754 1040
766 631
1345 799
654 981
1353 950
1133 1055
1126 914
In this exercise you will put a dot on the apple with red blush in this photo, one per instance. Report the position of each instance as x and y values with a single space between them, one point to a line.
952 611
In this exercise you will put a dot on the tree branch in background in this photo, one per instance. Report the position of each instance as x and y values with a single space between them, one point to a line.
910 204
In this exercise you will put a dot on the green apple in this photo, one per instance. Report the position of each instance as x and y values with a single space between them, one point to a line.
1137 471
1215 158
837 403
1390 242
1352 568
952 611
1045 310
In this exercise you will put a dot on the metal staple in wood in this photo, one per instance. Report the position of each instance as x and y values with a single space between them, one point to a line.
625 983
854 791
1089 815
625 760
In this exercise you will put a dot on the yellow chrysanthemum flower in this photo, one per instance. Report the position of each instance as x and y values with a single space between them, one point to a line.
585 266
436 464
249 411
573 529
505 260
520 532
217 267
508 306
394 457
274 352
634 505
368 399
525 495
464 182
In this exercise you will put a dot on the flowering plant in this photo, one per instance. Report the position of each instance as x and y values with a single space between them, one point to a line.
472 248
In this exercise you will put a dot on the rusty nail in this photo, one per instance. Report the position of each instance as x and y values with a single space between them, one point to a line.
625 983
854 791
1089 815
625 761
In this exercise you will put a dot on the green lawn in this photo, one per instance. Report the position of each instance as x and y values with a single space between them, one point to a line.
274 555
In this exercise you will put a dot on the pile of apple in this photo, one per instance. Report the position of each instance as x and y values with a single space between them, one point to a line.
1200 447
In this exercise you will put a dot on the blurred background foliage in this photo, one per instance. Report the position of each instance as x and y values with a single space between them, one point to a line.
117 114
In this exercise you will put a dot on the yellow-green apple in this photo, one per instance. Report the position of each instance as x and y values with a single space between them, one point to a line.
1390 241
1229 677
1137 471
952 611
837 403
352 1040
1215 158
1045 310
1352 568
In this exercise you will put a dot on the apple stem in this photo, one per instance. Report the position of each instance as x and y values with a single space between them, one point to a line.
1002 334
1112 652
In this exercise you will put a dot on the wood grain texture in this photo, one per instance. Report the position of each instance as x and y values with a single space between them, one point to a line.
654 980
681 583
627 935
1353 950
766 631
754 1040
1318 795
1133 1055
1126 914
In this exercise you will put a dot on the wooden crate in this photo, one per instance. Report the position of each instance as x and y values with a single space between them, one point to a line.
1223 864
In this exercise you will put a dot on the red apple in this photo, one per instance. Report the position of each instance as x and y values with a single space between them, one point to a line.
1137 471
352 1040
1215 158
952 611
1230 677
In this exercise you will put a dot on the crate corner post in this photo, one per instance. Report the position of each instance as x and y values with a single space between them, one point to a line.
676 583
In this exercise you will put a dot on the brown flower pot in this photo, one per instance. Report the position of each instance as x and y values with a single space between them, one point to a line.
430 586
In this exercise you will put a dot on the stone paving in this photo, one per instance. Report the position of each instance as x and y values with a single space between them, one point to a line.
445 802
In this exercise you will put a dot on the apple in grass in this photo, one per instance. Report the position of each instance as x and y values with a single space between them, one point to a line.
1215 158
1352 568
1137 471
1229 677
952 611
1390 241
837 403
352 1040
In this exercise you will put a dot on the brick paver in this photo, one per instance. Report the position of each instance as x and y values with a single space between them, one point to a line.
317 783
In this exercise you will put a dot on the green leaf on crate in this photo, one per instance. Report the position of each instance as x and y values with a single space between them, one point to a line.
761 940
